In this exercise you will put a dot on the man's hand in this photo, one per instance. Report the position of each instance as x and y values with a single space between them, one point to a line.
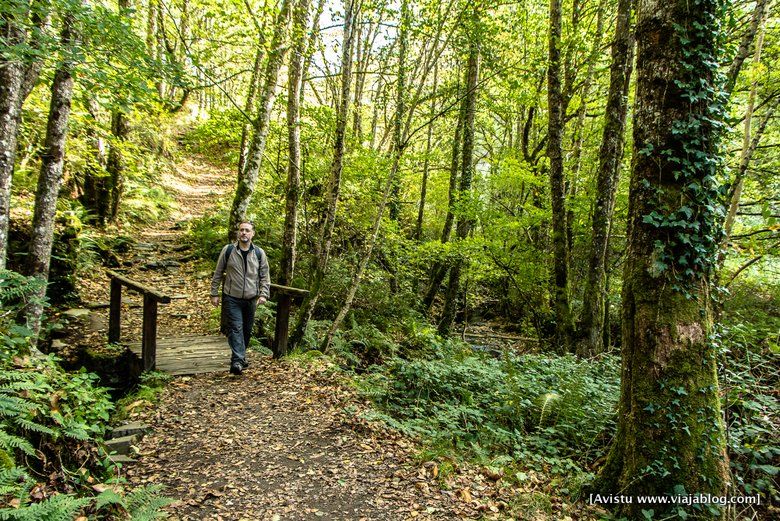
215 301
261 301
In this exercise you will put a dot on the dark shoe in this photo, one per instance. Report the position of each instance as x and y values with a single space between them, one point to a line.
236 368
244 364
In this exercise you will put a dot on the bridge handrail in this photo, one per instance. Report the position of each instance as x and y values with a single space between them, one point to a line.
149 329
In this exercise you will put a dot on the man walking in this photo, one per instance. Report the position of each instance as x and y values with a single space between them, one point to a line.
244 268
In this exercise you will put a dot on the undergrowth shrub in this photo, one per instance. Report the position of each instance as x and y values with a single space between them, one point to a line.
219 136
208 235
52 423
749 379
556 412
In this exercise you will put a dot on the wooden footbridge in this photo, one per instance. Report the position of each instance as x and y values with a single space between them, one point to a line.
185 355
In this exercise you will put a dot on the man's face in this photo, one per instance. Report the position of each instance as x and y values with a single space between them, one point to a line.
245 232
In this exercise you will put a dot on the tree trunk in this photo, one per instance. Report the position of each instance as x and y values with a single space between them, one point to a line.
610 155
254 85
670 438
294 85
248 178
578 133
748 146
311 42
12 75
400 109
427 160
95 193
465 222
560 290
50 178
390 185
746 42
334 183
10 109
440 269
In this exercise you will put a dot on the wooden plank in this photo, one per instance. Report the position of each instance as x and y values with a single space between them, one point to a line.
137 286
115 311
190 355
149 335
281 329
287 290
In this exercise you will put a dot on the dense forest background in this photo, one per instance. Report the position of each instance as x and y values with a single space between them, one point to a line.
435 173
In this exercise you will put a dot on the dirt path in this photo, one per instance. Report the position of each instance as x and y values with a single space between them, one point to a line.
274 443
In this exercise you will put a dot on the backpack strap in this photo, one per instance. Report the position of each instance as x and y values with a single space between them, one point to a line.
232 246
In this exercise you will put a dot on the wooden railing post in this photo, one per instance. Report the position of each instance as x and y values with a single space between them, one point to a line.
281 329
149 335
115 311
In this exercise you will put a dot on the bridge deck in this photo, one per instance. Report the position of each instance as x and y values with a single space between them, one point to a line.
190 355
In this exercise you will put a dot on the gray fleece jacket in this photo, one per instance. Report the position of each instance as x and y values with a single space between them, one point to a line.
240 283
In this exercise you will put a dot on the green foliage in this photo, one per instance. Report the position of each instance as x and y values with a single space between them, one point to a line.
51 424
549 411
218 136
750 376
208 235
149 387
54 508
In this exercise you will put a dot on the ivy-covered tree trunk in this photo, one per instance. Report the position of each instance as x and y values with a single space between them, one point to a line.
465 222
555 104
248 177
610 155
670 438
50 178
292 191
334 183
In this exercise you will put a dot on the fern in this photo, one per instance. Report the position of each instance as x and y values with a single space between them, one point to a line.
11 406
12 481
14 286
61 507
32 426
547 401
146 503
10 442
109 497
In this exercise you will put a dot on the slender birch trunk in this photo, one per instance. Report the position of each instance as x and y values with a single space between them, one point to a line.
248 178
610 155
294 86
251 96
465 223
440 269
334 183
390 183
427 161
50 178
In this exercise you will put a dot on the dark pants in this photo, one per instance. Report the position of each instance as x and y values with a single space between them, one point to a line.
240 318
